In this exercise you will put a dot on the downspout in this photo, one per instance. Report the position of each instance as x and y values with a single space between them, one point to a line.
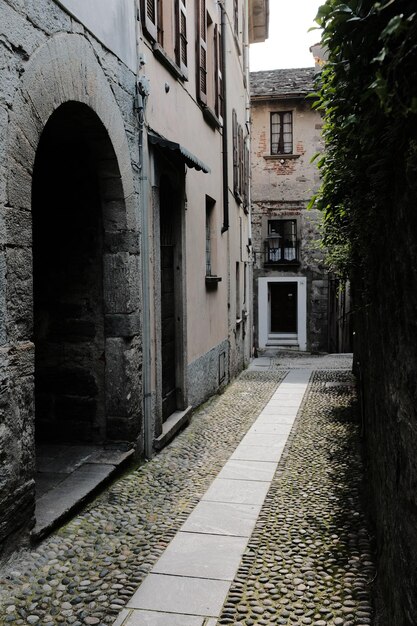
146 344
225 226
143 92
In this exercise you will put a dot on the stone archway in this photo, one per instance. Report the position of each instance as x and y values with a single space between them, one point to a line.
64 84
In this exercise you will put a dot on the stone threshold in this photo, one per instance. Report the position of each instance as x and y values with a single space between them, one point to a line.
68 476
171 426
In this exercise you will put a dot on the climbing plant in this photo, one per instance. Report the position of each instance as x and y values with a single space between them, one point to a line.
367 93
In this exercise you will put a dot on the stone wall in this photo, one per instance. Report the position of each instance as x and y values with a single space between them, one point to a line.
385 360
47 59
204 374
311 264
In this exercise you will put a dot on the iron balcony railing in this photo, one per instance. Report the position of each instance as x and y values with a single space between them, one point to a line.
285 253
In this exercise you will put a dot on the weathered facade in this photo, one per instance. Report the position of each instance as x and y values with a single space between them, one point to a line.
290 281
116 224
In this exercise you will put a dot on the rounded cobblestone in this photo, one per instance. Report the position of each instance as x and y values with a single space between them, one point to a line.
310 555
111 546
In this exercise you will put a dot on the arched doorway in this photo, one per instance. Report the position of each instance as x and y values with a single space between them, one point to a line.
68 278
84 332
68 130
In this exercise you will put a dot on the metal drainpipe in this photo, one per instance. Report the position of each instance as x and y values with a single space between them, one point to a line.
225 226
146 344
144 189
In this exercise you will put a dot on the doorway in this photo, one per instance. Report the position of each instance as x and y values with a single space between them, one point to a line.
283 302
68 283
282 312
169 282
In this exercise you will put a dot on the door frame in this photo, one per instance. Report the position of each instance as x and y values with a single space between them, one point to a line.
162 167
266 338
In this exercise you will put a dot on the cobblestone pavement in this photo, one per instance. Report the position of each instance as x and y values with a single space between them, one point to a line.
308 560
87 571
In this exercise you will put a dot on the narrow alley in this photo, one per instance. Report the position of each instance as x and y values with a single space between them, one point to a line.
280 537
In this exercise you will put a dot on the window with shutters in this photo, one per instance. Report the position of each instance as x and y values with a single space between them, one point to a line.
236 17
235 133
164 23
240 162
281 133
209 64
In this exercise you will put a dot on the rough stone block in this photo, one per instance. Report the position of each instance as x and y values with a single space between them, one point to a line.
48 16
19 294
123 378
122 241
19 31
114 215
19 185
18 227
16 515
116 284
122 325
123 428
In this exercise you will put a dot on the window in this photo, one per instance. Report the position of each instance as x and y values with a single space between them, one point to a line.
281 132
209 61
238 311
236 17
281 242
165 24
240 163
209 233
211 244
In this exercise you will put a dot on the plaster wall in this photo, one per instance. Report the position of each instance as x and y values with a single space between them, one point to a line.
174 112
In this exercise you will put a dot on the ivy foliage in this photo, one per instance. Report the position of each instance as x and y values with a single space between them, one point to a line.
367 93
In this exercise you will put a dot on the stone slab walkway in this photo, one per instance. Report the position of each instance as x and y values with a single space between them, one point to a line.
190 582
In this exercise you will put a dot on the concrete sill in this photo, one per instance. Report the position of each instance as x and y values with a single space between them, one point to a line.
166 60
212 281
279 157
211 117
173 424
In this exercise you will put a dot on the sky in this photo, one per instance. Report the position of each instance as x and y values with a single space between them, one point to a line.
288 43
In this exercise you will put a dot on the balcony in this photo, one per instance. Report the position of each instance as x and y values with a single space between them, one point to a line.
280 252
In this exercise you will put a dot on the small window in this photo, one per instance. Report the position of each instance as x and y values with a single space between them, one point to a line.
211 245
236 17
238 311
209 234
281 243
281 133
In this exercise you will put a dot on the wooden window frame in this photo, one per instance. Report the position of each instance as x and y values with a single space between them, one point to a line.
280 142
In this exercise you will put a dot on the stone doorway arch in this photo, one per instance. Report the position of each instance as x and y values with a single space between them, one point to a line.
64 88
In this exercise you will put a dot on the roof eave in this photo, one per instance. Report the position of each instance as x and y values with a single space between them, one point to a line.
258 20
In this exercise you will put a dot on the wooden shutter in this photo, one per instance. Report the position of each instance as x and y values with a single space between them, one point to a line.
247 176
235 153
181 35
218 73
202 51
150 18
241 161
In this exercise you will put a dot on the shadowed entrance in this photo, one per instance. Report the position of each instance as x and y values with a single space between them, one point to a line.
76 194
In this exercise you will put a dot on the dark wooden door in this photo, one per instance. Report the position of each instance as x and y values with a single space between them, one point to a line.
283 307
168 308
